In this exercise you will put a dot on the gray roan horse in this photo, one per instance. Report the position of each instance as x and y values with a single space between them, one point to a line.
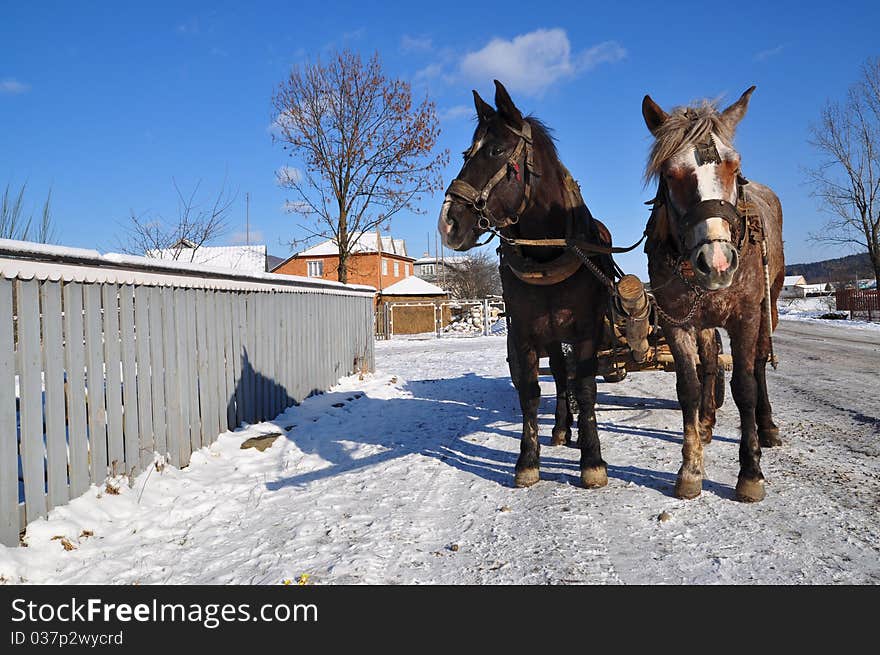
513 183
710 233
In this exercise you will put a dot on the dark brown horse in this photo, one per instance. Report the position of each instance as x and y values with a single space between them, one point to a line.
709 236
512 182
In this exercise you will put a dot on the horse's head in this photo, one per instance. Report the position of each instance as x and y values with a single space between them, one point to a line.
700 184
492 188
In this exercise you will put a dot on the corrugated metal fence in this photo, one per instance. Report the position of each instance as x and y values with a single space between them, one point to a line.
107 360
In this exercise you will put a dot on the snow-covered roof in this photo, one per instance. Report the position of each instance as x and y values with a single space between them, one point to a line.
366 243
27 260
425 259
792 280
245 259
413 286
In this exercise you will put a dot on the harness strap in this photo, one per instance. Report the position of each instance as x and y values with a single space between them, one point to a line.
588 246
479 199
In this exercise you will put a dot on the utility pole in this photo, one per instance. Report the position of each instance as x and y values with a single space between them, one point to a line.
247 218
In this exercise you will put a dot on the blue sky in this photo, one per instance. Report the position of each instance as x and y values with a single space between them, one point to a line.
106 103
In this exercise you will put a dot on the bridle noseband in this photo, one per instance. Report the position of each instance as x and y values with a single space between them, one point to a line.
463 193
707 153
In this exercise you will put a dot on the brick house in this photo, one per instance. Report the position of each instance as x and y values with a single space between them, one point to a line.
376 260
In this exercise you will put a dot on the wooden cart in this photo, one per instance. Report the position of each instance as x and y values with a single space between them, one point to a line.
616 360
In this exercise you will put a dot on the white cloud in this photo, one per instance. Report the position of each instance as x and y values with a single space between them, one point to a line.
353 35
11 86
763 55
530 63
606 52
296 207
189 26
415 43
287 174
458 111
429 72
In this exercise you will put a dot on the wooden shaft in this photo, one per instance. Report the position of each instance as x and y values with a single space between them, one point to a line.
634 303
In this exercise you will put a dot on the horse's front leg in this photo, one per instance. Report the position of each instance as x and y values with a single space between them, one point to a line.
707 347
527 466
768 432
683 344
594 471
562 424
743 346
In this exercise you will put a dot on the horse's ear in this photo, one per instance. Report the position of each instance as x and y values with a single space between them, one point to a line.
734 114
653 114
484 109
505 105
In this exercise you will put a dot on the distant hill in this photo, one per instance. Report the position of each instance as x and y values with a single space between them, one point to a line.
833 270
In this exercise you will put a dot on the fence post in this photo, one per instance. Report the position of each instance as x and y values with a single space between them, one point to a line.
8 431
485 317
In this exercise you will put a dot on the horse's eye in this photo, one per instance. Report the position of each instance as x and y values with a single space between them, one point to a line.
497 151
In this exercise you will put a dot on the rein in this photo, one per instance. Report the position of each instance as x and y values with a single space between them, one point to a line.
543 273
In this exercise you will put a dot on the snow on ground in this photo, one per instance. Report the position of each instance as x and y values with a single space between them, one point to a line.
810 309
404 477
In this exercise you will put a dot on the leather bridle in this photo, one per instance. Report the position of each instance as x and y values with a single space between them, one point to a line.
461 192
733 214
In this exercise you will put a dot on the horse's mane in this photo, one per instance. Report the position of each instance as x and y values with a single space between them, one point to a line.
542 136
685 126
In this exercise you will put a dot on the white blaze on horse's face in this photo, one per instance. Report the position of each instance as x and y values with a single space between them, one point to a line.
710 240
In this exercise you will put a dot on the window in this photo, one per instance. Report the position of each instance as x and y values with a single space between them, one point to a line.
408 273
315 268
396 269
384 267
427 269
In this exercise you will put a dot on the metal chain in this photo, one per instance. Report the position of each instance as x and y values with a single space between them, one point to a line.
595 270
678 322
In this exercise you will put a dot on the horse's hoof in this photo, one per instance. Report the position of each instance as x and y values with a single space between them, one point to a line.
749 491
769 437
560 437
526 477
688 487
705 429
594 478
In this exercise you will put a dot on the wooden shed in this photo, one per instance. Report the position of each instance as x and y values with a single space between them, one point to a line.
411 306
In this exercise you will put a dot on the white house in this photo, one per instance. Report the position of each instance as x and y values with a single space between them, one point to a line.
794 287
432 269
819 289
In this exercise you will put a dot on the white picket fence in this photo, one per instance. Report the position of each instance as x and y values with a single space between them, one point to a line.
106 361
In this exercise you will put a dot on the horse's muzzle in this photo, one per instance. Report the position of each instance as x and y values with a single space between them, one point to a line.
456 232
714 264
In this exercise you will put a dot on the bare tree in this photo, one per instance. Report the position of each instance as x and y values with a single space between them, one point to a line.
474 276
15 225
847 181
363 151
194 226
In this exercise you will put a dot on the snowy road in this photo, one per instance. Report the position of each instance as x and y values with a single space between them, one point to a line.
405 477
